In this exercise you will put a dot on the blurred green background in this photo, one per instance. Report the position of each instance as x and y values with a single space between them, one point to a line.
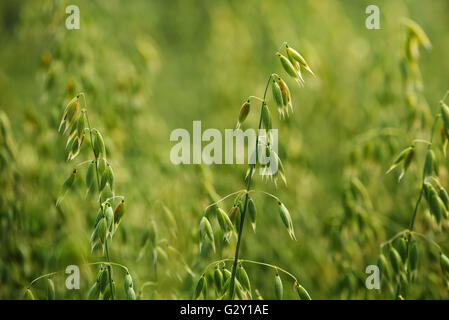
149 67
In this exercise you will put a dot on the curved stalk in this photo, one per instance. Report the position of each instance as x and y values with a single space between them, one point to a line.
418 201
99 197
242 219
107 263
253 262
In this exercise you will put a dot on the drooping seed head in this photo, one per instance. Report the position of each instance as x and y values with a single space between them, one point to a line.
130 294
302 292
444 110
102 279
413 257
235 216
94 292
109 215
277 94
238 289
206 229
401 157
288 66
278 287
244 111
224 221
102 165
102 228
108 293
444 263
430 165
284 91
119 212
70 180
243 278
90 176
444 196
153 232
201 288
417 32
384 267
128 282
266 117
395 259
28 295
110 178
50 289
218 279
252 213
436 205
294 55
286 219
401 247
98 143
69 114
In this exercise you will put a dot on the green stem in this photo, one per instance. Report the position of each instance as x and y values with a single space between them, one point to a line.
267 194
99 197
418 201
86 264
109 263
254 262
109 268
422 141
436 245
393 238
242 220
445 95
224 198
43 276
435 121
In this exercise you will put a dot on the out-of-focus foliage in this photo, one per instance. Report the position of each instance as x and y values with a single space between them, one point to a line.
148 67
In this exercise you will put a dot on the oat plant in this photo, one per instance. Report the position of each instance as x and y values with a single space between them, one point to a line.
403 249
415 37
229 275
99 182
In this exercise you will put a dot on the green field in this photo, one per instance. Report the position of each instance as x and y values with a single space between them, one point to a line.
147 68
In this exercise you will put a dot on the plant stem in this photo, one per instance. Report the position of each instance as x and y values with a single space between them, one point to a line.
254 262
242 220
222 199
412 222
87 264
418 201
99 199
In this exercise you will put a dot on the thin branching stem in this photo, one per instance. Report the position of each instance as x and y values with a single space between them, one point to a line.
422 141
106 263
83 163
435 121
253 262
374 133
224 198
445 95
418 201
397 235
266 193
43 276
242 220
114 197
427 239
99 197
257 98
147 284
283 44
